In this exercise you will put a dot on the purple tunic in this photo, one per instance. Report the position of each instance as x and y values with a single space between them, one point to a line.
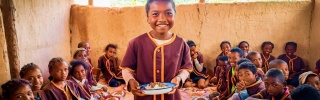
108 68
40 94
157 63
265 61
85 87
295 63
56 93
251 90
264 95
225 83
90 77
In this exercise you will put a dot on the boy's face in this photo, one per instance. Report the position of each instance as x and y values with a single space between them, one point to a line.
314 81
247 76
35 78
23 93
60 71
244 47
161 16
222 63
267 49
79 73
233 58
225 48
274 86
284 69
290 50
81 55
87 47
111 52
193 50
256 60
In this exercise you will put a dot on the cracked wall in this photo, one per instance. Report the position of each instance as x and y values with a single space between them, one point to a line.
4 64
313 52
206 24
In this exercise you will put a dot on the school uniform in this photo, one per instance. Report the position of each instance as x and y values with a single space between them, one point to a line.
152 62
70 92
250 90
265 61
84 86
40 95
264 95
227 83
217 59
219 73
260 73
295 64
196 75
90 75
110 70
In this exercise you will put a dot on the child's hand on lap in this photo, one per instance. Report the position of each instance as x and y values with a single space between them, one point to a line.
133 87
176 80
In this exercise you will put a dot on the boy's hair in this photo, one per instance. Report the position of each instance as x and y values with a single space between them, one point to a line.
276 62
110 46
191 43
81 44
266 43
275 73
53 62
242 60
76 63
238 50
243 42
292 43
225 42
305 92
251 54
12 86
77 51
248 65
223 58
150 1
28 67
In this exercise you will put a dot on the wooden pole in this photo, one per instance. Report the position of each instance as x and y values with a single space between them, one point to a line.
90 2
8 13
202 1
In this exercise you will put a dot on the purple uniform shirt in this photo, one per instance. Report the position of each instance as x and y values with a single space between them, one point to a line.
109 69
265 61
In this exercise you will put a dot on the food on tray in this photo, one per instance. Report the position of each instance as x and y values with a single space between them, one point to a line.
118 94
113 98
201 99
156 85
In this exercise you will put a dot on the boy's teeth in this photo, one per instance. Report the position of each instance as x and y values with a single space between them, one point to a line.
162 25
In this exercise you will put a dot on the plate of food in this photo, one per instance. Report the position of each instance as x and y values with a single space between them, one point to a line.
118 94
200 98
113 98
154 88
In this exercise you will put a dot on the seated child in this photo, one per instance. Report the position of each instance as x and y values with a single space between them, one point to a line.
222 67
81 54
225 47
17 89
305 92
109 66
317 70
249 82
244 46
87 47
255 58
311 79
229 79
199 74
296 64
78 72
281 65
33 74
275 87
60 88
266 49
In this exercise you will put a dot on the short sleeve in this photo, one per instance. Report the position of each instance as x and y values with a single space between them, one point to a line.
130 57
186 60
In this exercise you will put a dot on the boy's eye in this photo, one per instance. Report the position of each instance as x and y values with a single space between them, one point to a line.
168 13
19 96
155 14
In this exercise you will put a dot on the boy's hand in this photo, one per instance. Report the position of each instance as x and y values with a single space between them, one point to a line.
214 79
133 87
176 80
195 55
241 86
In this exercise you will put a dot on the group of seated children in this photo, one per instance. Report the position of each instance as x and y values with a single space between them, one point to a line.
74 81
240 74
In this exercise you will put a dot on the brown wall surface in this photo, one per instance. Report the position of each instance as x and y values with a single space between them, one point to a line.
43 31
206 24
314 50
4 64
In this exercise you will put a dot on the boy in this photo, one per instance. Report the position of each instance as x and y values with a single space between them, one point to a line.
255 58
311 79
281 65
229 79
249 84
275 87
296 64
305 92
222 67
199 74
